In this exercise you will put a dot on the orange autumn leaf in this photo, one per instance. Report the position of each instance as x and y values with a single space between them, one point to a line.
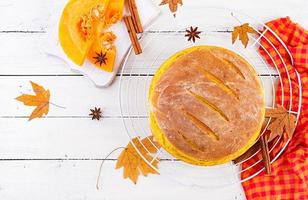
133 164
40 100
282 122
173 4
241 32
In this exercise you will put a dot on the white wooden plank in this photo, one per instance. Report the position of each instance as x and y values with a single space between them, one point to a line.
78 95
29 15
65 131
262 9
24 54
60 138
76 180
69 138
32 15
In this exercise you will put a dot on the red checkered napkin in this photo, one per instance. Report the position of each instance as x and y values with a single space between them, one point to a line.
289 179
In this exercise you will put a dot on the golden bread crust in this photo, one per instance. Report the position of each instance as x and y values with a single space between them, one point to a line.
207 105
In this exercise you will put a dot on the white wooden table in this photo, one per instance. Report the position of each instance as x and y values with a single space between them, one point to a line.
57 157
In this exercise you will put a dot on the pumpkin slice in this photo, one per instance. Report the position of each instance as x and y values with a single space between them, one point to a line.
78 26
103 52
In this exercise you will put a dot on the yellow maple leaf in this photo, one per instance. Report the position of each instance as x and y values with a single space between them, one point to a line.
40 100
241 32
173 4
131 161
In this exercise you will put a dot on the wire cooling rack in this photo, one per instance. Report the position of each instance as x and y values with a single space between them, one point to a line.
165 38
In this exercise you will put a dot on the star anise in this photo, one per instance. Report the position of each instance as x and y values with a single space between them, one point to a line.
96 113
100 58
192 34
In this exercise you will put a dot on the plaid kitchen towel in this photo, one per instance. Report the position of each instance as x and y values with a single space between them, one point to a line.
289 177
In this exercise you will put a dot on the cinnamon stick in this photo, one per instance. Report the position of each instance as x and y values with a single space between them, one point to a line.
132 34
135 15
265 155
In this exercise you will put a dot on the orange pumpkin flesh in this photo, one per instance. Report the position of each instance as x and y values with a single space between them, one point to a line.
102 52
114 13
81 31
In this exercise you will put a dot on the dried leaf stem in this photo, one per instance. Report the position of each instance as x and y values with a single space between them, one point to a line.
101 166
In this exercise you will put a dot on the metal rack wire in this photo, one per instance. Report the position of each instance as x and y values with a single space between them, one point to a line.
158 44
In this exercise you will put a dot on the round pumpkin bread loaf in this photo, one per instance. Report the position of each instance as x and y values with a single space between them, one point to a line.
206 105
